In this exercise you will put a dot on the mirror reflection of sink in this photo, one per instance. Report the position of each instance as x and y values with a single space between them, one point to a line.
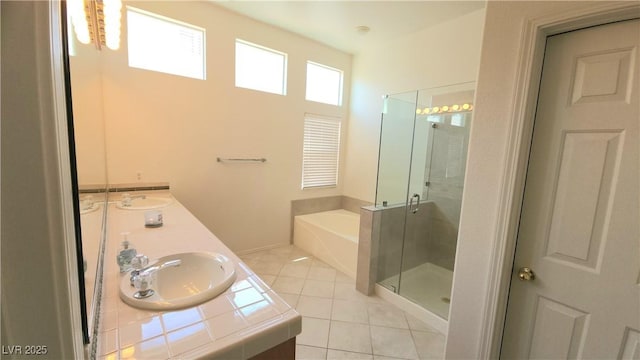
85 209
144 203
200 277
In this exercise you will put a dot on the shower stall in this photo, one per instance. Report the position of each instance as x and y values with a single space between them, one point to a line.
421 167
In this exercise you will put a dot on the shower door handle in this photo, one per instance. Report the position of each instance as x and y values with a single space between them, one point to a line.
417 207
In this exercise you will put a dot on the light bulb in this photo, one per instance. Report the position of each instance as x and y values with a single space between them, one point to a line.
445 108
465 106
427 110
112 16
436 109
82 33
79 20
418 111
455 107
113 42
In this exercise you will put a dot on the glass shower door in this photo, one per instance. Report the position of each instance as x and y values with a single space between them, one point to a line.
423 149
435 181
396 140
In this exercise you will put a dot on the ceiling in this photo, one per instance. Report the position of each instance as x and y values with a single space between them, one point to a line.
334 22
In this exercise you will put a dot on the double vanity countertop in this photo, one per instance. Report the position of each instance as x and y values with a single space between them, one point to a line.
245 320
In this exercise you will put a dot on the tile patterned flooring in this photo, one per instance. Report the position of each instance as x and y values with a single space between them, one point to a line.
338 322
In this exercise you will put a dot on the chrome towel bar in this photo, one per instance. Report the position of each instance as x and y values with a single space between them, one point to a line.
241 159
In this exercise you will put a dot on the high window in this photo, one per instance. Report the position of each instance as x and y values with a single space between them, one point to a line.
321 151
324 84
260 68
165 45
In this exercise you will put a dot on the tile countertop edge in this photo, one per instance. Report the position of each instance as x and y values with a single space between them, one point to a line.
253 341
242 344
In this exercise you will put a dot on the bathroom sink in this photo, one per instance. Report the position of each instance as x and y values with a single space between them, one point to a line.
199 277
144 203
85 209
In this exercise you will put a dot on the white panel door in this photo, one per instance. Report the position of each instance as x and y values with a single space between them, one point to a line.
580 222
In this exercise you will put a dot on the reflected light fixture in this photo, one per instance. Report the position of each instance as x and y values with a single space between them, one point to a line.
96 21
446 109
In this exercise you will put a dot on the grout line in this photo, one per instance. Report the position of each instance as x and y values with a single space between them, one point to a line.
370 333
329 335
331 320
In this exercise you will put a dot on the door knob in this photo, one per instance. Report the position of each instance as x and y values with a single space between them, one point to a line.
526 274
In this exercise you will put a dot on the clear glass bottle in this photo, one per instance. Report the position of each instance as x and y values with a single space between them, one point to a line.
126 253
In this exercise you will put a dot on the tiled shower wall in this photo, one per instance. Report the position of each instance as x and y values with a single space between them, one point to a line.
431 237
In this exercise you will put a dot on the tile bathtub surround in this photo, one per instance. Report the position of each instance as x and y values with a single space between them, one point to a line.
327 203
368 242
344 324
314 205
353 204
245 320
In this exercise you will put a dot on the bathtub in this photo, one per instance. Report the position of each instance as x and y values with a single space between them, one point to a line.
331 236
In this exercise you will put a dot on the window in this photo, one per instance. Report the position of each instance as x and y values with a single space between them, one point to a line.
457 120
324 84
321 151
165 45
260 68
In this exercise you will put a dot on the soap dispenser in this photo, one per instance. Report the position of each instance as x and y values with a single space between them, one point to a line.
126 253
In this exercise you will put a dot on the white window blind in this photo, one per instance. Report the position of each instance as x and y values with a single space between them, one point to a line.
321 151
165 45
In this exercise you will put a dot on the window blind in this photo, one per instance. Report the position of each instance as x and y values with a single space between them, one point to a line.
321 151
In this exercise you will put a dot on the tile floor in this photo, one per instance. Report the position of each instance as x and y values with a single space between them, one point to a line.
338 322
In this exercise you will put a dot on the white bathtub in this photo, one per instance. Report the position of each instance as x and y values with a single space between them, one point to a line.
331 236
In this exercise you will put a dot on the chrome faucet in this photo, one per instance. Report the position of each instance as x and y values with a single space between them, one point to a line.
141 280
138 263
126 198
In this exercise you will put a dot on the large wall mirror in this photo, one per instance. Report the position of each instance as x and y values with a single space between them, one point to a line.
85 83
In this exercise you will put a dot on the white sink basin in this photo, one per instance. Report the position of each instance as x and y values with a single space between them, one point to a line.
146 203
200 277
85 209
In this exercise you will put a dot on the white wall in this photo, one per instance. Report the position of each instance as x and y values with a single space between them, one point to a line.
493 114
171 128
444 54
88 120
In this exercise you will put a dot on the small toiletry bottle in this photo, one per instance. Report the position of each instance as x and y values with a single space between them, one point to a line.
126 253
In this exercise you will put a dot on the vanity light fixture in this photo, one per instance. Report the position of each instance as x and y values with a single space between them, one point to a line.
446 109
96 21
